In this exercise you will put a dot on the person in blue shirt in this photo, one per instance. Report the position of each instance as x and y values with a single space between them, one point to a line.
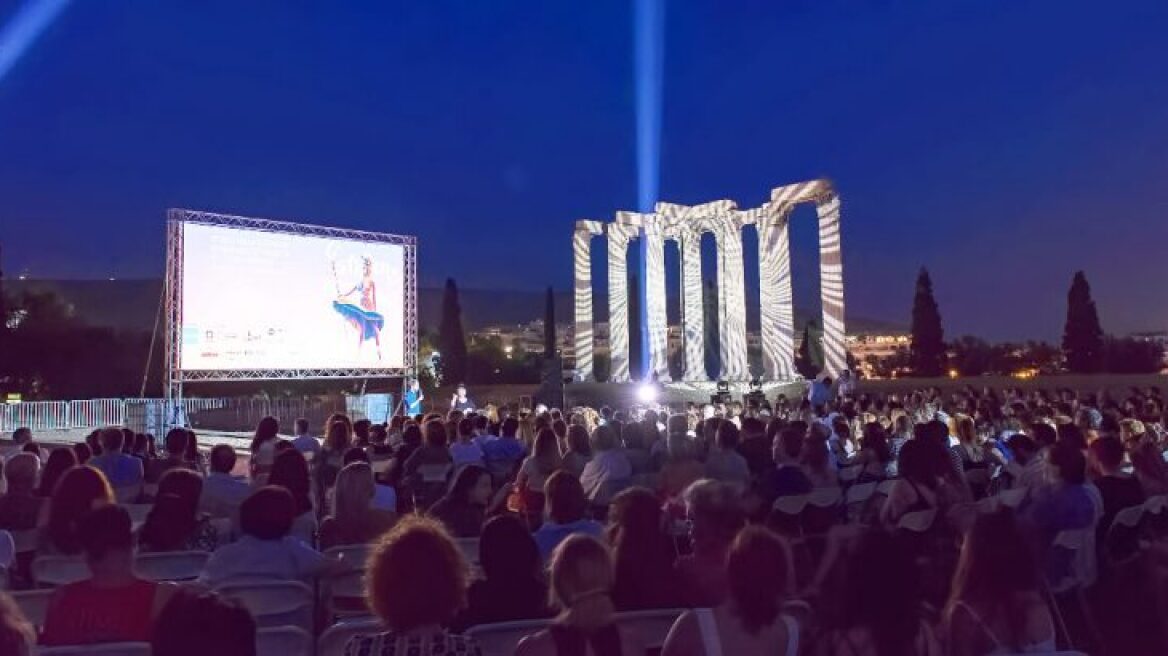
413 399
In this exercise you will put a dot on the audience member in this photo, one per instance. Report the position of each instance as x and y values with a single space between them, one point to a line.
715 515
566 512
578 451
724 463
816 458
416 584
354 520
751 620
265 551
17 635
466 450
642 552
608 470
504 453
124 473
176 450
197 623
59 461
464 507
263 449
290 471
513 586
581 587
222 492
20 507
80 490
174 523
113 604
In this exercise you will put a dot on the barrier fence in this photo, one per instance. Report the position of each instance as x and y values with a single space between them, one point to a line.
153 415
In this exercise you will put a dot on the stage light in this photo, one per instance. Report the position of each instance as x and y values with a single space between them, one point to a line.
647 393
23 29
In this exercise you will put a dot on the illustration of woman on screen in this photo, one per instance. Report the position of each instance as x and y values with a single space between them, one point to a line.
362 314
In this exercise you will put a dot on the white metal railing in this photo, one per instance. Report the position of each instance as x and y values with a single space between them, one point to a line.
39 415
93 413
89 413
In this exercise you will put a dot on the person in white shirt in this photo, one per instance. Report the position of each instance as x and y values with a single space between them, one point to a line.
304 442
223 493
265 551
608 469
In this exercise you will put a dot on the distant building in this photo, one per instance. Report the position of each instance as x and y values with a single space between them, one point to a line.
865 348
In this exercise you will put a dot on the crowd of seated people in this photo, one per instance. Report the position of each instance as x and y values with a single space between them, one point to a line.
926 523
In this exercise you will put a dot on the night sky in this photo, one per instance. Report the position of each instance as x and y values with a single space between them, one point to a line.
1001 144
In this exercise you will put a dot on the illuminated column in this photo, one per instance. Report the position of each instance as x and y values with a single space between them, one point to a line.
582 266
655 297
731 300
777 316
618 302
692 306
831 282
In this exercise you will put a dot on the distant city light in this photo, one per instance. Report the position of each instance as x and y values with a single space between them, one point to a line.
953 373
23 29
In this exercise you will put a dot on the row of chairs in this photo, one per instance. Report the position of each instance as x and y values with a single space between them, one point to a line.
278 641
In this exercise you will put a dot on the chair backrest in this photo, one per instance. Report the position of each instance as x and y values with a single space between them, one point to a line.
824 497
501 638
381 464
849 473
127 495
469 548
345 589
860 493
918 521
137 512
103 649
1013 497
885 486
1128 517
792 504
51 571
274 603
171 565
284 641
25 541
434 474
34 604
651 625
1084 567
332 642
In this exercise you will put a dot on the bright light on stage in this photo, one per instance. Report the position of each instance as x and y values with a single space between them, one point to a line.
23 29
647 393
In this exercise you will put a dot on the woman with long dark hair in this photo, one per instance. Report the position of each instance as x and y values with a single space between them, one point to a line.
463 508
80 490
996 603
263 449
642 552
290 471
513 585
60 460
174 523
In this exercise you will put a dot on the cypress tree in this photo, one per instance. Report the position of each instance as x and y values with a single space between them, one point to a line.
451 340
1082 335
928 339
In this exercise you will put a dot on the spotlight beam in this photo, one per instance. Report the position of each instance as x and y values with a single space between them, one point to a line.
22 30
648 60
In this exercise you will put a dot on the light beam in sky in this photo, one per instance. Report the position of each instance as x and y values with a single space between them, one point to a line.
649 63
24 27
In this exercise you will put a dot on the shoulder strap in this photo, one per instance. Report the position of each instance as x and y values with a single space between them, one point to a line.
977 618
711 641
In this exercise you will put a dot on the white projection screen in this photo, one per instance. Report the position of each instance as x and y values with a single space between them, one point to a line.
253 298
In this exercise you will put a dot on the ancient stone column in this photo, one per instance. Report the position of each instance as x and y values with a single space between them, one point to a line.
777 316
582 267
692 305
655 297
618 301
731 299
831 282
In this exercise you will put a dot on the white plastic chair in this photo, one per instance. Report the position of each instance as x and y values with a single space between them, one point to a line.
51 571
433 474
792 504
849 473
651 625
25 541
825 497
284 641
273 603
501 638
918 521
885 486
860 493
332 642
1127 519
34 604
102 649
469 548
1012 498
171 565
347 585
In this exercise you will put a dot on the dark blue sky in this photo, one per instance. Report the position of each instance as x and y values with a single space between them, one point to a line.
1002 144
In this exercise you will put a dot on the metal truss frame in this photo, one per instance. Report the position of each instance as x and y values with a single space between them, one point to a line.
173 288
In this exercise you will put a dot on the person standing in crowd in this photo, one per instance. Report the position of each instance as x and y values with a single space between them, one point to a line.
416 584
412 401
460 401
124 473
113 604
304 442
222 492
751 620
581 587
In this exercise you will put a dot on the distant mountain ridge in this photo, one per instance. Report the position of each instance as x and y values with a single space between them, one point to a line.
132 304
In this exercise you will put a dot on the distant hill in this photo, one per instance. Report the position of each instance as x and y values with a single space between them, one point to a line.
133 304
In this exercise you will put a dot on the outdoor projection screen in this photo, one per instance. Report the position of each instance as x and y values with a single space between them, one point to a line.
252 298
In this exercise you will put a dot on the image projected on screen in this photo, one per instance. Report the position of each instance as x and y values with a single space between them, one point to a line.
269 300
